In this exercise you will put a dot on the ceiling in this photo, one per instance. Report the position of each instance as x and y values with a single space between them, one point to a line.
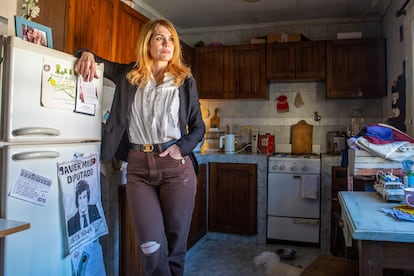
187 14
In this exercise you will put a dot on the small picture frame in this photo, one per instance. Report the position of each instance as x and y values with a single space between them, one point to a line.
33 32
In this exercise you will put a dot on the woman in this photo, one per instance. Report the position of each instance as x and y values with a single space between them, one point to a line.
154 124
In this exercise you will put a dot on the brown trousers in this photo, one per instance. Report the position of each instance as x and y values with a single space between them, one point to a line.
161 194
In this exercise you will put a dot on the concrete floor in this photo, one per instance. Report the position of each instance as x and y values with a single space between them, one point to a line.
214 258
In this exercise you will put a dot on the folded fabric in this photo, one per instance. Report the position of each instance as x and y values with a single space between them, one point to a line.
310 186
405 208
380 134
398 214
396 151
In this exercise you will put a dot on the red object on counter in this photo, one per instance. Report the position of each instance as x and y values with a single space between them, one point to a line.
266 143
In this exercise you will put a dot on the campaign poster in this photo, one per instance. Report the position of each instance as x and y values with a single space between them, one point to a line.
84 215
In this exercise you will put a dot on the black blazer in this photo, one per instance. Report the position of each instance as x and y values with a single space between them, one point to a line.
74 222
115 141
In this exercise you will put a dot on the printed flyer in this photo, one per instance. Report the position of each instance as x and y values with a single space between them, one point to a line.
84 215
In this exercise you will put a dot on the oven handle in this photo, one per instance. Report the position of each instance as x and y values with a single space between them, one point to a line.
305 221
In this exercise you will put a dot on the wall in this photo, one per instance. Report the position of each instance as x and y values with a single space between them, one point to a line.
262 114
399 51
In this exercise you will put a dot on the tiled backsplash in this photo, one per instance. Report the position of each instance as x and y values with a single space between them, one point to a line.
262 114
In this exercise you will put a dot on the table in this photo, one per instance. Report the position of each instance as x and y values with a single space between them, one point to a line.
8 227
383 241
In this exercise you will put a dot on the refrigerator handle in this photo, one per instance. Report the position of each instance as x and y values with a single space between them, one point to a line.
37 131
35 155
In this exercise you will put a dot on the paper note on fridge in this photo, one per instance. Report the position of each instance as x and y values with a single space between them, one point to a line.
87 96
31 187
58 84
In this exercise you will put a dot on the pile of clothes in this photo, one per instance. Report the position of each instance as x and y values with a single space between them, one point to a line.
384 141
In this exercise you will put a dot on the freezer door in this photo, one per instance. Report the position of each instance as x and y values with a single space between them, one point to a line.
39 102
40 250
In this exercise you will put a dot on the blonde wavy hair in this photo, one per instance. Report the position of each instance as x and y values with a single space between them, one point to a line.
141 73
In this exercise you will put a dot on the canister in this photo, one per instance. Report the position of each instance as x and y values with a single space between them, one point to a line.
266 143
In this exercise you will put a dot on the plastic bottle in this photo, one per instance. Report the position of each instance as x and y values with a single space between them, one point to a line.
410 179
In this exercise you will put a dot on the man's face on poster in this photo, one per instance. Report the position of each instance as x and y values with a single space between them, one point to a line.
83 202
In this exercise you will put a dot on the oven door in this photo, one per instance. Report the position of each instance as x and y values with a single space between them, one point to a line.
285 196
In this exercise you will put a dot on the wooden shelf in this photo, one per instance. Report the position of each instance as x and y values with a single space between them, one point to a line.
8 227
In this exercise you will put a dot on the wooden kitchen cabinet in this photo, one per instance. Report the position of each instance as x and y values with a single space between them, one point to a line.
296 61
233 198
128 245
188 54
231 72
127 25
247 69
355 68
98 25
199 222
209 72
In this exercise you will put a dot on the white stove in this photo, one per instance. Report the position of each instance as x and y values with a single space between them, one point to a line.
294 197
289 163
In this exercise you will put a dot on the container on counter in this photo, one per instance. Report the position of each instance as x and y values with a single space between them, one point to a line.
266 143
212 139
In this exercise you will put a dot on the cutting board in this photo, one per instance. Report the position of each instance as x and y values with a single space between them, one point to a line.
302 138
215 120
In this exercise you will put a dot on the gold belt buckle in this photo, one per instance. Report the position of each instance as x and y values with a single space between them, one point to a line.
148 147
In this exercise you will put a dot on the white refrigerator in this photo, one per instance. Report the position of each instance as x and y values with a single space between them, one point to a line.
38 131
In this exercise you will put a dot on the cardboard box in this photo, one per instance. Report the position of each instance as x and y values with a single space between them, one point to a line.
286 37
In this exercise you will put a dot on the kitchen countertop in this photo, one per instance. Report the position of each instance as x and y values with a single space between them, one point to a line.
231 158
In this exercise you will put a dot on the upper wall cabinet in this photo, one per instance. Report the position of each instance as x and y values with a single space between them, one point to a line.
98 25
209 68
355 68
127 25
188 53
231 72
247 72
295 61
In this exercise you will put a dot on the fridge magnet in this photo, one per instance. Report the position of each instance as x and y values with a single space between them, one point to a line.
86 96
31 187
58 84
282 105
84 215
33 32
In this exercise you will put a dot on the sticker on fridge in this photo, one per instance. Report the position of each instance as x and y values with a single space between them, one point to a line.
58 84
31 187
84 216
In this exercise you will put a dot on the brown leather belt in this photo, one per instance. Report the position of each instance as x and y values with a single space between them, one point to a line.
152 147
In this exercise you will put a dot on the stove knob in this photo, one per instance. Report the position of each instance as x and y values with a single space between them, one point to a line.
282 167
293 168
305 168
275 167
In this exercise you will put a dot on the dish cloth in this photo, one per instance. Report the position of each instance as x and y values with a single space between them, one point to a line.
402 212
310 186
